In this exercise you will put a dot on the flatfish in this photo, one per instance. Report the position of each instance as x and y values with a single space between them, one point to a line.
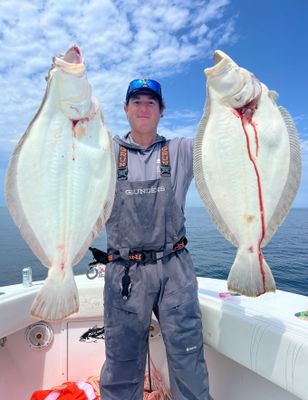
247 167
60 182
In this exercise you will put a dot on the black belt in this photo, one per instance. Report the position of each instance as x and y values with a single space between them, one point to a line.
144 257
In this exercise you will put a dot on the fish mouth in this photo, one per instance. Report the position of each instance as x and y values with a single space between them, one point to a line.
73 55
222 64
71 62
218 56
236 86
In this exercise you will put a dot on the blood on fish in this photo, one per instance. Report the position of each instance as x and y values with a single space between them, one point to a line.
246 113
74 151
253 124
236 113
78 131
247 116
74 122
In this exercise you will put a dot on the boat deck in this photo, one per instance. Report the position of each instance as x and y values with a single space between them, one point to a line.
255 347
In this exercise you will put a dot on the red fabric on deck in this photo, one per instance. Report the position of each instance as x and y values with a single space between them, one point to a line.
70 390
67 391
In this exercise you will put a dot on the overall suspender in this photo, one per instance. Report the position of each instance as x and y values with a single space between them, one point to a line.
122 163
165 168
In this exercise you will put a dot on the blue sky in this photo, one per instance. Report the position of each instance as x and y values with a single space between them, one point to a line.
169 40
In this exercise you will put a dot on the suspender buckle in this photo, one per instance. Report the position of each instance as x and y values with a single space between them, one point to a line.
122 173
165 170
148 257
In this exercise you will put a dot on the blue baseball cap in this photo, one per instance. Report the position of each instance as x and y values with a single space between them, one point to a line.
148 86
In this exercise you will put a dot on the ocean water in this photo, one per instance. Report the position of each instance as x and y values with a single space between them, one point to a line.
286 254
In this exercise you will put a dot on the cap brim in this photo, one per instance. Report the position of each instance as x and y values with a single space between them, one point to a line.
143 91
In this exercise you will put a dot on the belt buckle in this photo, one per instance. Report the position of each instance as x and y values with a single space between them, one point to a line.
148 257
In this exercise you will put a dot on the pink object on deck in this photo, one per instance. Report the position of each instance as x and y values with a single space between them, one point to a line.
156 395
225 295
160 391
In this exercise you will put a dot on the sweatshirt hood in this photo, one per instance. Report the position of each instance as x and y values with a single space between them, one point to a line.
127 141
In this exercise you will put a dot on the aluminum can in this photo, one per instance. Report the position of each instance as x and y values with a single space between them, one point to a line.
27 277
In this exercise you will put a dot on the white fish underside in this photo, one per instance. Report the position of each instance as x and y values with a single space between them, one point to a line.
61 185
247 172
60 188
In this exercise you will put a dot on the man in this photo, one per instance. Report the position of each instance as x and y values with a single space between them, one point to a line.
150 268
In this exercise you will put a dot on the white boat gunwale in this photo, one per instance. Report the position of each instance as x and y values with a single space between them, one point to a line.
258 337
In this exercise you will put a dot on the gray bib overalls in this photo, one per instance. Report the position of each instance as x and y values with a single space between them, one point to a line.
146 217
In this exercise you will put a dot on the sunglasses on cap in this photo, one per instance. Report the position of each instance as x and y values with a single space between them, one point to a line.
138 85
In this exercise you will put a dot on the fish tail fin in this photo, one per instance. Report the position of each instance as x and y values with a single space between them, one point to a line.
250 275
58 297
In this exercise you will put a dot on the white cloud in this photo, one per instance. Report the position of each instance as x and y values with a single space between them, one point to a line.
301 117
120 39
178 131
180 123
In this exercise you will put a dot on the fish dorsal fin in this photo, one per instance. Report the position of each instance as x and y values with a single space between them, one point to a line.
292 182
